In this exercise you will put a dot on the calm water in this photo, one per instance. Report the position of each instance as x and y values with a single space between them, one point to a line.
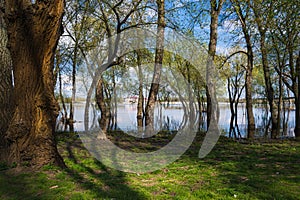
171 118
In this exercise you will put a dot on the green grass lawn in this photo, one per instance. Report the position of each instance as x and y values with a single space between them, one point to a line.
233 170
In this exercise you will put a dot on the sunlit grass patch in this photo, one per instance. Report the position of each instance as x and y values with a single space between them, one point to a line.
233 170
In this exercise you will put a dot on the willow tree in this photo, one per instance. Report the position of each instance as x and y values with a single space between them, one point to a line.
33 31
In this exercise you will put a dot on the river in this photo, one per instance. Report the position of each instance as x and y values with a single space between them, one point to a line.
171 118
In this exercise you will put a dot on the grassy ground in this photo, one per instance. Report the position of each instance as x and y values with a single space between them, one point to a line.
233 170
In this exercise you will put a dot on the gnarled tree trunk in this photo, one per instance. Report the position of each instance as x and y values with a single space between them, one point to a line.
104 108
6 84
33 30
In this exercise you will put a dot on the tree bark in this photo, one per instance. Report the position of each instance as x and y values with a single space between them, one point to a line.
140 104
212 103
105 110
6 83
248 88
159 53
33 30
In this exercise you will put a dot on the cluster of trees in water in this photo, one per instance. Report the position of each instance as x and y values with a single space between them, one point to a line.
43 42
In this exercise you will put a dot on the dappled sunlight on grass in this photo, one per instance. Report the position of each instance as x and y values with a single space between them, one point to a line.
233 170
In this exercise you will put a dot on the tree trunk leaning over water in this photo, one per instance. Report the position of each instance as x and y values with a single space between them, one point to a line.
33 30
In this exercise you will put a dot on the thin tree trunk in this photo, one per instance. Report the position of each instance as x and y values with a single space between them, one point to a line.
208 107
159 53
231 102
71 118
249 69
269 88
33 30
236 111
65 112
280 101
262 25
140 104
248 88
297 100
115 100
199 108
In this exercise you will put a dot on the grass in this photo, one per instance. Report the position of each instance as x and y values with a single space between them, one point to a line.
233 170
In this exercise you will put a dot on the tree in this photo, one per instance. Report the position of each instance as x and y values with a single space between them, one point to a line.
140 104
242 16
79 37
263 13
212 104
297 128
6 84
115 18
33 32
104 106
235 87
159 53
284 50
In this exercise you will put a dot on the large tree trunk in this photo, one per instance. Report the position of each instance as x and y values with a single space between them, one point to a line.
159 53
33 30
212 103
6 85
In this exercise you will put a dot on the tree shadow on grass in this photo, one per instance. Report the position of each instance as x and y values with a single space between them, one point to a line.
84 178
95 177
